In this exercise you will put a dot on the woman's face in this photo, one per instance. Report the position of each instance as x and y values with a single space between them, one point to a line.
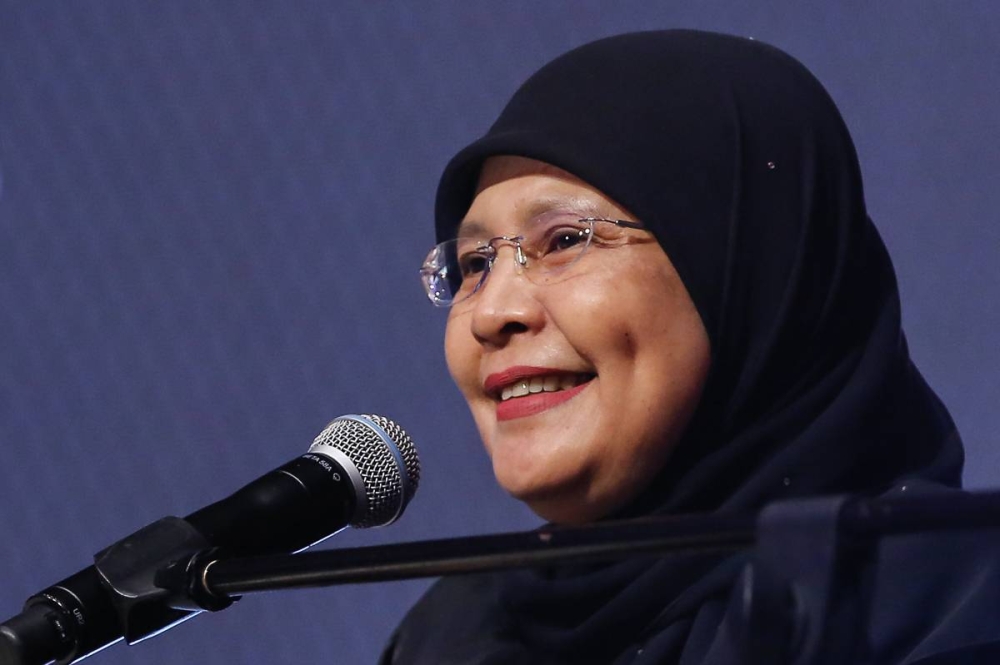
618 332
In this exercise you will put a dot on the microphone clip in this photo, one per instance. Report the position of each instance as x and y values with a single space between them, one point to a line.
136 573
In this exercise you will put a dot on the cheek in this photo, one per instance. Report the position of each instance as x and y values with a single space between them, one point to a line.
605 319
463 356
460 352
648 344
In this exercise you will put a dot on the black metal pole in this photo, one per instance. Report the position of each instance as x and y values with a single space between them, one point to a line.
434 558
654 536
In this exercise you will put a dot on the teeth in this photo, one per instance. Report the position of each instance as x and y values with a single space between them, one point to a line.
538 384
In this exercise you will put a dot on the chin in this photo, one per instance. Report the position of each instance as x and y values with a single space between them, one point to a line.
567 502
566 510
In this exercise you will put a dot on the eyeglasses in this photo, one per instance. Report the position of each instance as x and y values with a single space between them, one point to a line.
456 269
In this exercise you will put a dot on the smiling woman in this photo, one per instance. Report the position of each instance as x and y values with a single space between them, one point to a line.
617 333
696 314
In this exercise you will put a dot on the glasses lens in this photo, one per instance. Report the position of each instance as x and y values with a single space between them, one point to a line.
454 269
440 274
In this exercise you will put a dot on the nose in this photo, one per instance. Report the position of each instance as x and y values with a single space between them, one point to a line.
506 303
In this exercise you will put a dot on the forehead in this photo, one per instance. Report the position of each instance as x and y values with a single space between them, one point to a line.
514 190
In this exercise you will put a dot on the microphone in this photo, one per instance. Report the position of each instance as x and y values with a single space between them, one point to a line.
361 471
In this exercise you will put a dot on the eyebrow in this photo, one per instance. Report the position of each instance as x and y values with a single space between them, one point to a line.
585 207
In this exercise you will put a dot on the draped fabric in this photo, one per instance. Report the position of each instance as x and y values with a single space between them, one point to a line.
734 156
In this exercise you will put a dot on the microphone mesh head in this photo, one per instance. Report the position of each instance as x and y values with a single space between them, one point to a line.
386 460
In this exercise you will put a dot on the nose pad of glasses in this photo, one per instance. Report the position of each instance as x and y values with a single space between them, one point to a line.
519 258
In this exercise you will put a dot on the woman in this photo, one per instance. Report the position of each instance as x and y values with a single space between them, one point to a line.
667 297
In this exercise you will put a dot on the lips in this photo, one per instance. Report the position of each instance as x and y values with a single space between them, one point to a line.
549 383
524 391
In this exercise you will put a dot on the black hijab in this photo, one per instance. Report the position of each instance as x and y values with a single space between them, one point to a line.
734 156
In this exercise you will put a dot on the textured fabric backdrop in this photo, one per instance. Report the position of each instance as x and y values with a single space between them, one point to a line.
211 215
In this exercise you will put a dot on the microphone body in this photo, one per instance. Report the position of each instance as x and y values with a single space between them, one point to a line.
360 471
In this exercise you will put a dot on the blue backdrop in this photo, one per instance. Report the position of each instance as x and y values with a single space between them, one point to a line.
211 215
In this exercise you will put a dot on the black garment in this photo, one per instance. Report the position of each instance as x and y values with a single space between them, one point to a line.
927 600
734 156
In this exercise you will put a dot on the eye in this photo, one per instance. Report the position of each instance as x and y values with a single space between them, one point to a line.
566 238
473 263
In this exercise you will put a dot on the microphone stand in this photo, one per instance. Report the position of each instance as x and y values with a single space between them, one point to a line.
221 577
852 518
795 556
788 588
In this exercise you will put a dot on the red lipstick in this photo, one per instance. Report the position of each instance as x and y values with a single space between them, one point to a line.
528 405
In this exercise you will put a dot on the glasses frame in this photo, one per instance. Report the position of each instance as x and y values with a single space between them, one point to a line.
429 273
